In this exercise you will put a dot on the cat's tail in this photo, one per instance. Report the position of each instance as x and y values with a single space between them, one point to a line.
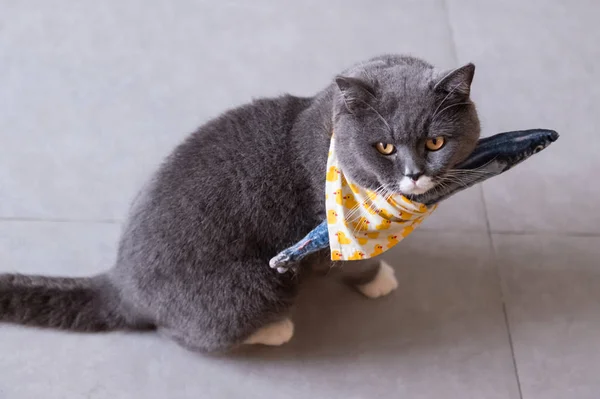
87 304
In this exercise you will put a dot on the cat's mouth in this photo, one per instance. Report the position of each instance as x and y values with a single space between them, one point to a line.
409 186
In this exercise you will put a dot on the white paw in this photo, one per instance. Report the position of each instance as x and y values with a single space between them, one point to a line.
383 283
274 334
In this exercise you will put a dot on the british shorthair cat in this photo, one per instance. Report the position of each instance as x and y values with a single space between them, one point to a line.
192 261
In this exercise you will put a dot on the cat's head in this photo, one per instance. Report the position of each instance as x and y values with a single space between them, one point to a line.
401 125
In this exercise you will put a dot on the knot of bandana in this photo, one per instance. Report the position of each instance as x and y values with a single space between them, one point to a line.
364 223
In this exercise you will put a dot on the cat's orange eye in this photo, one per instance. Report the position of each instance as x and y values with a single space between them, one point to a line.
435 143
385 149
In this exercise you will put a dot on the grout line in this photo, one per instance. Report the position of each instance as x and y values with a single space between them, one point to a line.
490 232
512 232
512 349
502 292
545 233
506 319
26 219
488 226
502 295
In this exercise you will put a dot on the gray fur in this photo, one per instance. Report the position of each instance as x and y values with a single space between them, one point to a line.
193 257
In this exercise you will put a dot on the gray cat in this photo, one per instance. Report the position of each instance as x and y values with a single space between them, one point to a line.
193 258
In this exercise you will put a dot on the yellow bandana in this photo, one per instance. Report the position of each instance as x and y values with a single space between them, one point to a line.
362 223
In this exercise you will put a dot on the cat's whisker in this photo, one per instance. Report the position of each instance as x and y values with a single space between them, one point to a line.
355 212
450 106
457 182
376 112
462 172
466 177
455 179
356 208
444 100
439 186
482 172
390 191
467 172
356 215
359 226
479 167
461 181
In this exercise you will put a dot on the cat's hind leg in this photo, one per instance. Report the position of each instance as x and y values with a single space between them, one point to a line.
243 302
274 334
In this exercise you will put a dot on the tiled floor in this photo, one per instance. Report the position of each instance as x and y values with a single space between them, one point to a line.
499 293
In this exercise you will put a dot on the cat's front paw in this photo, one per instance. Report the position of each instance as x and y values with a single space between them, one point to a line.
382 284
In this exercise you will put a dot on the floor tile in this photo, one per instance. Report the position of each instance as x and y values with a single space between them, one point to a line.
537 61
62 249
552 290
95 94
441 334
463 212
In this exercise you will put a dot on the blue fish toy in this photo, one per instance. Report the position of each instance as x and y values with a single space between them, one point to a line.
492 156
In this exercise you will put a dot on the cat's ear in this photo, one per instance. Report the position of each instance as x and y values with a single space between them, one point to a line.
356 94
456 82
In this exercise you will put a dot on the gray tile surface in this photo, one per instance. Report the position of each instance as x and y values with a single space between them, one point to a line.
441 334
537 67
463 212
552 286
94 94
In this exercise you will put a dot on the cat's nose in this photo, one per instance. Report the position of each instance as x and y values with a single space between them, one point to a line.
414 176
